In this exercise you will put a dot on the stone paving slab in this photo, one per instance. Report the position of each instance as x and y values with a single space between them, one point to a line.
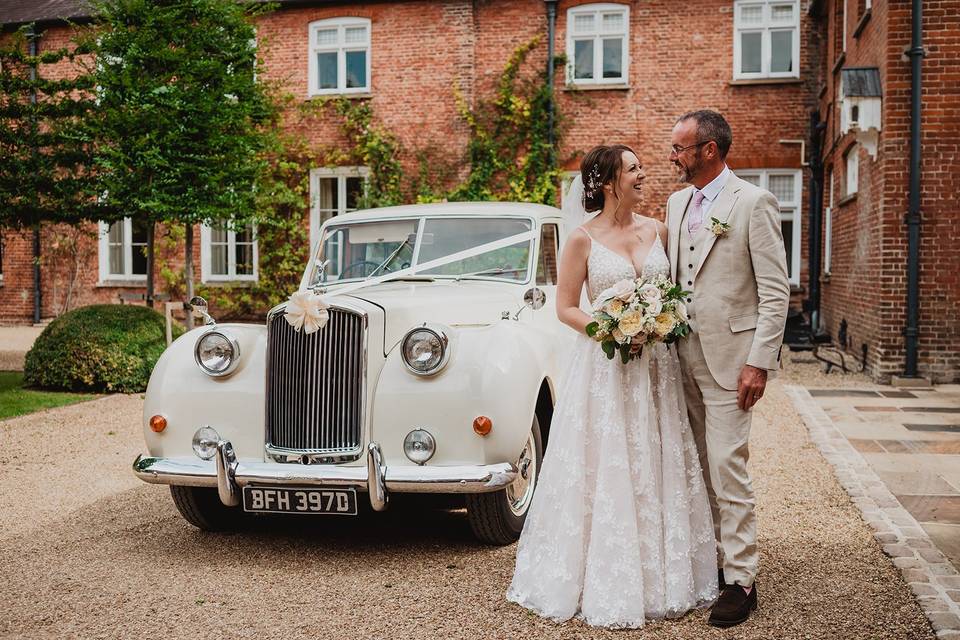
932 577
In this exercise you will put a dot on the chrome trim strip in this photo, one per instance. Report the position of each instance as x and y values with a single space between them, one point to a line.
403 479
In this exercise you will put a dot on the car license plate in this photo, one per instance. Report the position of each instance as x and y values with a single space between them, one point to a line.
300 500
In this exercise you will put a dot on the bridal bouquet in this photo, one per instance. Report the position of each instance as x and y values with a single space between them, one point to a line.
634 313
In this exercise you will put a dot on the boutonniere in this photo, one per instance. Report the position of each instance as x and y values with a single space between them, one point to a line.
307 311
718 228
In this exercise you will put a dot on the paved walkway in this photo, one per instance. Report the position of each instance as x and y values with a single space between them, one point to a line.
897 453
14 344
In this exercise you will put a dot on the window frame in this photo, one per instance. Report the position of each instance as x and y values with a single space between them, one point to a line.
341 48
794 215
852 154
765 28
206 257
541 252
597 36
341 174
828 226
103 253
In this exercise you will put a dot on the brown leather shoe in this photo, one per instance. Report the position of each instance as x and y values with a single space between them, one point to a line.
733 606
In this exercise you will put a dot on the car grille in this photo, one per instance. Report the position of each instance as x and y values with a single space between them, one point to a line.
315 385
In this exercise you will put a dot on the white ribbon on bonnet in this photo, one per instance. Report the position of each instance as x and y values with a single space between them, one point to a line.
307 310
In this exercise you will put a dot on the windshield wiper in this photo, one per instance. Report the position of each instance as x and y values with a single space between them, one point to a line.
486 272
390 258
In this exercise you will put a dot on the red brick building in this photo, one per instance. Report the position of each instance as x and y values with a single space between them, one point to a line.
632 68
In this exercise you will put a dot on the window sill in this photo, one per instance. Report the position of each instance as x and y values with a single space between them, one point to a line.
864 19
839 63
796 289
742 82
346 94
219 284
847 199
596 87
122 284
825 278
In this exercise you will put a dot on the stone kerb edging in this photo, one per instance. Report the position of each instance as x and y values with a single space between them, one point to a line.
934 581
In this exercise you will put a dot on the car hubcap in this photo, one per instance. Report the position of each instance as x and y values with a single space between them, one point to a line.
520 492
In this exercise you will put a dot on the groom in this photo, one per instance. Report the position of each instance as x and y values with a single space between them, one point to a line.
726 248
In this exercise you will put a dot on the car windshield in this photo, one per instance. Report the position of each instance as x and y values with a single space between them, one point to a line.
359 250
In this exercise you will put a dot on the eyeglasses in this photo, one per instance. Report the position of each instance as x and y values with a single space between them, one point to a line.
678 149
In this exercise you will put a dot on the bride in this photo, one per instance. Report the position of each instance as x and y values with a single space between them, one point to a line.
619 529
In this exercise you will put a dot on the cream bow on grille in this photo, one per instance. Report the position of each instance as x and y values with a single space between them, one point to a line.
306 310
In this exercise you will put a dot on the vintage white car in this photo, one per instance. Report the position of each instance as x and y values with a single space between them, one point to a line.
436 372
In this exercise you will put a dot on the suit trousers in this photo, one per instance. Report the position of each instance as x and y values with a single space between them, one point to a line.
722 431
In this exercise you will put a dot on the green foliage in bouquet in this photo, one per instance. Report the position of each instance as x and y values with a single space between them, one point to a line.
105 347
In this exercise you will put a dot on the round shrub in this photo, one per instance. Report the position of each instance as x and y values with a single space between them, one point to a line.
106 347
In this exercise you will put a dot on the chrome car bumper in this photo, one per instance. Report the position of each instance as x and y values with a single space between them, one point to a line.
229 475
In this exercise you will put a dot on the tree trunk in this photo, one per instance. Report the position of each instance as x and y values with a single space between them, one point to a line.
150 234
188 271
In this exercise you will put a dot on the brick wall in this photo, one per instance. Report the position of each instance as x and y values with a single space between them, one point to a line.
867 287
422 50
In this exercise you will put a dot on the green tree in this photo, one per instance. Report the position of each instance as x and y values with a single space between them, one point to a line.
182 122
45 175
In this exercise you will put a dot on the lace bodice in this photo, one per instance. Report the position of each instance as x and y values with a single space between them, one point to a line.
606 267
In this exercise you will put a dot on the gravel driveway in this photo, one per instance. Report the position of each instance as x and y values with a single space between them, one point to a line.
88 551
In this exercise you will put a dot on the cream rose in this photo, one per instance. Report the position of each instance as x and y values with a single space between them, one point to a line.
613 308
631 323
618 336
665 323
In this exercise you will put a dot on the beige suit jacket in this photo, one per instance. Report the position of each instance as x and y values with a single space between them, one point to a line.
741 288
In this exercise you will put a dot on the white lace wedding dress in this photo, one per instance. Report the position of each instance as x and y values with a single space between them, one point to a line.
619 529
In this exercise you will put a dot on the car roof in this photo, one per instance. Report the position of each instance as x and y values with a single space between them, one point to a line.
453 209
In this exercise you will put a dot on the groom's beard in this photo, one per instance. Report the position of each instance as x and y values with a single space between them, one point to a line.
686 174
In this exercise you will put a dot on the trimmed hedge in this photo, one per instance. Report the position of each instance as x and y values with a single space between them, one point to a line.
106 347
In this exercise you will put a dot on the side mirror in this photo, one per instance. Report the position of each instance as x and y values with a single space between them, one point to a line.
197 307
534 298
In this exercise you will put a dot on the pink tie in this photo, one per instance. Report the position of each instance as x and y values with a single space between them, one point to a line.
695 214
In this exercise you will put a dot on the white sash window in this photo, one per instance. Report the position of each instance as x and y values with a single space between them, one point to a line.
786 185
228 255
122 251
339 56
597 39
766 39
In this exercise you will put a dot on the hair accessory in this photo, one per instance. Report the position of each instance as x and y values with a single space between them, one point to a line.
593 179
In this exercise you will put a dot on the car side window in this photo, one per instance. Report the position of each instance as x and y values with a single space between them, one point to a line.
547 262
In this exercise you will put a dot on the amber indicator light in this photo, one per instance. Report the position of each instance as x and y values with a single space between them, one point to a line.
482 425
158 423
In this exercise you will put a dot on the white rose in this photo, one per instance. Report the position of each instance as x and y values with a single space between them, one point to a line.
654 307
649 292
681 310
623 290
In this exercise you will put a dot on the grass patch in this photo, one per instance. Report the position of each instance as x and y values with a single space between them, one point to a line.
17 401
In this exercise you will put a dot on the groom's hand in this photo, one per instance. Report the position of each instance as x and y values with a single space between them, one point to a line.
750 386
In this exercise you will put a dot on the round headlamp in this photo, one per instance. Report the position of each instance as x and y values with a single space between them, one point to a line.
205 442
217 353
425 350
419 446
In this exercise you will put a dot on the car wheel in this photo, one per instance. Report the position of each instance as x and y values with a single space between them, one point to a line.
497 518
201 507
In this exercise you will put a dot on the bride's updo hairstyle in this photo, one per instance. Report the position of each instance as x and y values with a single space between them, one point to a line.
600 166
